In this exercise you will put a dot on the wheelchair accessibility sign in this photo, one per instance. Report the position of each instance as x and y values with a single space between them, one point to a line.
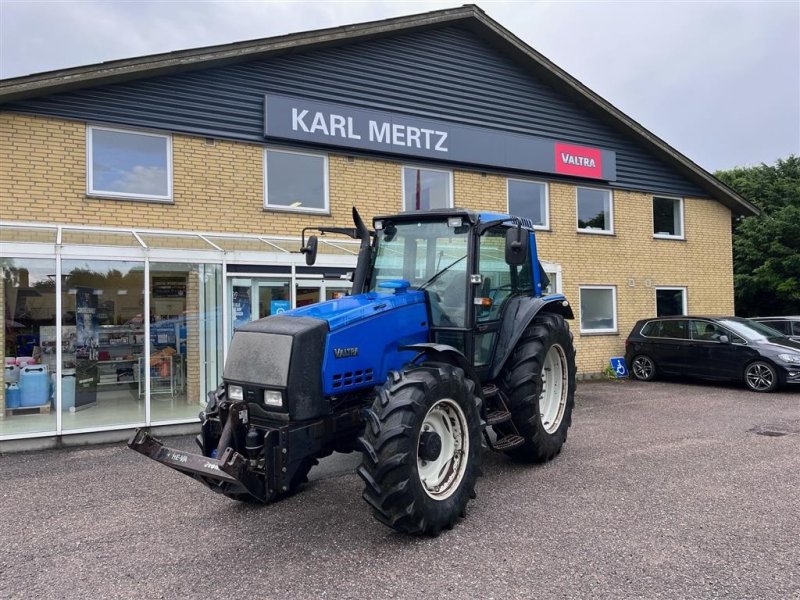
619 367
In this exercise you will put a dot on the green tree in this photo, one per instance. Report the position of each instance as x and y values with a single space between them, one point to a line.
766 248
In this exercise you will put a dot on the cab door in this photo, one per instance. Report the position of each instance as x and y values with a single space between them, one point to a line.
499 282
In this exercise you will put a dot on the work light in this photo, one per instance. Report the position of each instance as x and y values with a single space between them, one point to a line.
273 398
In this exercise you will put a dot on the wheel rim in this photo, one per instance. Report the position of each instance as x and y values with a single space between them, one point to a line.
643 367
553 399
441 477
760 377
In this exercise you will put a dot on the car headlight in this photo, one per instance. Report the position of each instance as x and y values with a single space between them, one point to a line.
790 358
235 392
273 398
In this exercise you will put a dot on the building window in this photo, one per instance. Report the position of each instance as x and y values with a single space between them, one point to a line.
598 309
553 273
595 210
667 217
129 164
670 301
529 199
427 188
296 181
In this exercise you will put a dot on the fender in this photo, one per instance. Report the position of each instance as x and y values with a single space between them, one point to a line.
448 354
518 314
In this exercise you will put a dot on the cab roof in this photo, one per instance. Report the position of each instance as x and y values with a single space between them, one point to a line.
436 214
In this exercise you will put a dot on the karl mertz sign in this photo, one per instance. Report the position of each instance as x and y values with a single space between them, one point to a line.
341 125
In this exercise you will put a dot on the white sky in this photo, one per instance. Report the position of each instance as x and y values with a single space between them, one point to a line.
719 81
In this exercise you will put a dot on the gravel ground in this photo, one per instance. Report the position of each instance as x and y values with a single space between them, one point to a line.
662 491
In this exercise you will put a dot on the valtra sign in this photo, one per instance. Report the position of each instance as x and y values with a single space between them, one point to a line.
312 121
579 161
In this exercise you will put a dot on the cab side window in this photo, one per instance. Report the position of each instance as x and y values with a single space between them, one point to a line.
500 280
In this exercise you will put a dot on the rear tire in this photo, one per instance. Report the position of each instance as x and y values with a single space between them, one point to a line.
538 384
643 367
421 449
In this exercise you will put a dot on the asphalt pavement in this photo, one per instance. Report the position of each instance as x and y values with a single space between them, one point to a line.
663 490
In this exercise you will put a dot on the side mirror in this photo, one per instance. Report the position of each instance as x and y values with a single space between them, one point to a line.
310 250
516 246
724 339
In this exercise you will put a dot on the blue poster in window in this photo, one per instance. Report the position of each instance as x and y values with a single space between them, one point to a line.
277 307
241 306
619 367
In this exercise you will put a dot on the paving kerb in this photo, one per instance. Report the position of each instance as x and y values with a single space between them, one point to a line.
661 492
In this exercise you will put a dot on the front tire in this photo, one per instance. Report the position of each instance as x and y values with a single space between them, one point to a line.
760 376
538 384
421 449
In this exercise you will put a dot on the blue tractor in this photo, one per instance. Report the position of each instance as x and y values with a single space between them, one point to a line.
447 341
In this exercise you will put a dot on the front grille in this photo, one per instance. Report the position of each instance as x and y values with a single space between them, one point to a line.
352 378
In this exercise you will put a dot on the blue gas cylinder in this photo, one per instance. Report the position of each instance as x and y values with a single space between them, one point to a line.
12 395
34 386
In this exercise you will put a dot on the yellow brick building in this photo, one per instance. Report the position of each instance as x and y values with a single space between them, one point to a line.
144 277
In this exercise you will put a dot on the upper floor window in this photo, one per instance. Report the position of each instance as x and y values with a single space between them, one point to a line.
595 210
529 199
296 181
427 188
667 217
128 164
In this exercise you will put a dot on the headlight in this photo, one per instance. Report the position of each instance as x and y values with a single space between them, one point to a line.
273 398
790 358
235 392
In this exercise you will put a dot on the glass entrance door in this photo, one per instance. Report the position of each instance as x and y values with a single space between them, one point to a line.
251 298
309 291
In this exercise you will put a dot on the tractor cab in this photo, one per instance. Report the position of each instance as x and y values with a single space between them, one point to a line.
468 264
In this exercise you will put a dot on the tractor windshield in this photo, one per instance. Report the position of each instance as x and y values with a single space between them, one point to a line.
430 255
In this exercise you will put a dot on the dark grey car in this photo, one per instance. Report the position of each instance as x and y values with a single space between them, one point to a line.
789 325
720 348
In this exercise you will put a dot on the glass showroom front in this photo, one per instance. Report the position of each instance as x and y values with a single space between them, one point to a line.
109 328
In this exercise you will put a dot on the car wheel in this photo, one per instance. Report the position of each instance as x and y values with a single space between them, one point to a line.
760 376
643 368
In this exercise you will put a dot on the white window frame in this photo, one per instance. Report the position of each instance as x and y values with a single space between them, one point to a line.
422 168
663 236
90 191
610 230
555 269
283 208
614 328
546 226
672 288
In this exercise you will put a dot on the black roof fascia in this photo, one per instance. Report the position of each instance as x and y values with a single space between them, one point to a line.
469 15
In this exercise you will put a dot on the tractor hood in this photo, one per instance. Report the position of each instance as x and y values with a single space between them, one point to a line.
311 353
352 309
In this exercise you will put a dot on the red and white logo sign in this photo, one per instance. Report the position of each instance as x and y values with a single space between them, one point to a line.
579 161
